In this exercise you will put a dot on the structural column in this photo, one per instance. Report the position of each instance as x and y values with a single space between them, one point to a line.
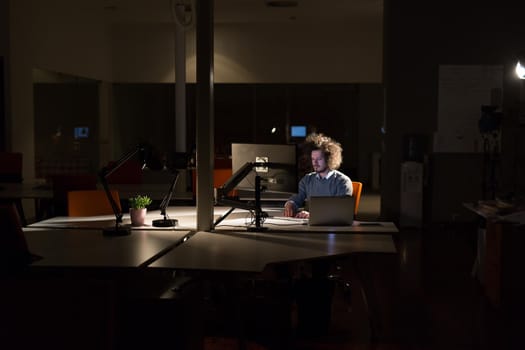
205 117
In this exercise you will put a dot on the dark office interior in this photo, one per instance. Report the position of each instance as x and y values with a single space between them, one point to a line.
402 82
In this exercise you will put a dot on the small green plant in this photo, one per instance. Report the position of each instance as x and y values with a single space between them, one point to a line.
139 202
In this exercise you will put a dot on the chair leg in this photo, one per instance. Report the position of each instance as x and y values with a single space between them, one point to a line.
20 209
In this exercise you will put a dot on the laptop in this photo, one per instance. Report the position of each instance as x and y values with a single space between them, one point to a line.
331 211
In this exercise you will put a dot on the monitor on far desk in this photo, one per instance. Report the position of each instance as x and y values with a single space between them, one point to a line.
277 182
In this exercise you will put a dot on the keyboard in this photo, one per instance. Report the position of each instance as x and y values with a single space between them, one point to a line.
291 219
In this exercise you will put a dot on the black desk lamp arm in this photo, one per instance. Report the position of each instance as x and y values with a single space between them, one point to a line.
167 198
112 202
105 172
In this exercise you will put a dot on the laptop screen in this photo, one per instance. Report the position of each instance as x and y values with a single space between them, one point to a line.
331 211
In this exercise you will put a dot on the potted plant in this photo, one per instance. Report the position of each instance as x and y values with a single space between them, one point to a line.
138 208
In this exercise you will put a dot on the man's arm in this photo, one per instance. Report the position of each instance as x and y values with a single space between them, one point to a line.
297 200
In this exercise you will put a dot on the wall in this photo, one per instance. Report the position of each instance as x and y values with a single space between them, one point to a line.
72 37
57 113
55 35
369 129
436 33
251 53
247 113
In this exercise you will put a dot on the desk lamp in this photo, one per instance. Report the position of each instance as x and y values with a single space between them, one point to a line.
103 175
164 204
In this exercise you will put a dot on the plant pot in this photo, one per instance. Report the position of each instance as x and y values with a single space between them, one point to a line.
138 216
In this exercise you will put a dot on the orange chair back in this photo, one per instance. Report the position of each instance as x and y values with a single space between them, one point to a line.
64 183
220 176
91 203
357 188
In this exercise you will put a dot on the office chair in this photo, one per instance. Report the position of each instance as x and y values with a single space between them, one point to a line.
358 187
11 170
90 203
220 176
64 183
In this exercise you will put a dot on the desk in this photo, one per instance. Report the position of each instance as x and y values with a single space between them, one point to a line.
78 242
89 248
38 192
185 215
242 252
501 240
17 191
231 248
252 251
25 191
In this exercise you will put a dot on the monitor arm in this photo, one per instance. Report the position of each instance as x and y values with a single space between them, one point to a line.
234 180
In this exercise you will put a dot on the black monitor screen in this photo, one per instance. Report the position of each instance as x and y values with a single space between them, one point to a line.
273 179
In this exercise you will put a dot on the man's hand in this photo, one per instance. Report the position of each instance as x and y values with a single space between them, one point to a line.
289 209
303 214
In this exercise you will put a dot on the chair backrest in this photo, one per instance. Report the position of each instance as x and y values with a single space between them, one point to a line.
357 188
11 167
220 176
62 184
91 203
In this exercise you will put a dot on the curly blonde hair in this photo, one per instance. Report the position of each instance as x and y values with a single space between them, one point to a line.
332 150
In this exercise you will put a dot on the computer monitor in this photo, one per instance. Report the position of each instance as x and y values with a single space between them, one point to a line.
282 178
298 131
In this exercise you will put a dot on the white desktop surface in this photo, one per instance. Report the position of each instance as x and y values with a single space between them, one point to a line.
78 241
185 216
90 248
252 251
287 225
241 219
238 220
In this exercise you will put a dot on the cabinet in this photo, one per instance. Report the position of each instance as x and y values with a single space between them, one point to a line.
504 280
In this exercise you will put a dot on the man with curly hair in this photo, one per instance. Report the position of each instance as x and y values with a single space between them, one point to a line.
324 180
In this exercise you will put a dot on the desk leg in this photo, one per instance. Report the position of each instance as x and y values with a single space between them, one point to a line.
376 273
478 269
